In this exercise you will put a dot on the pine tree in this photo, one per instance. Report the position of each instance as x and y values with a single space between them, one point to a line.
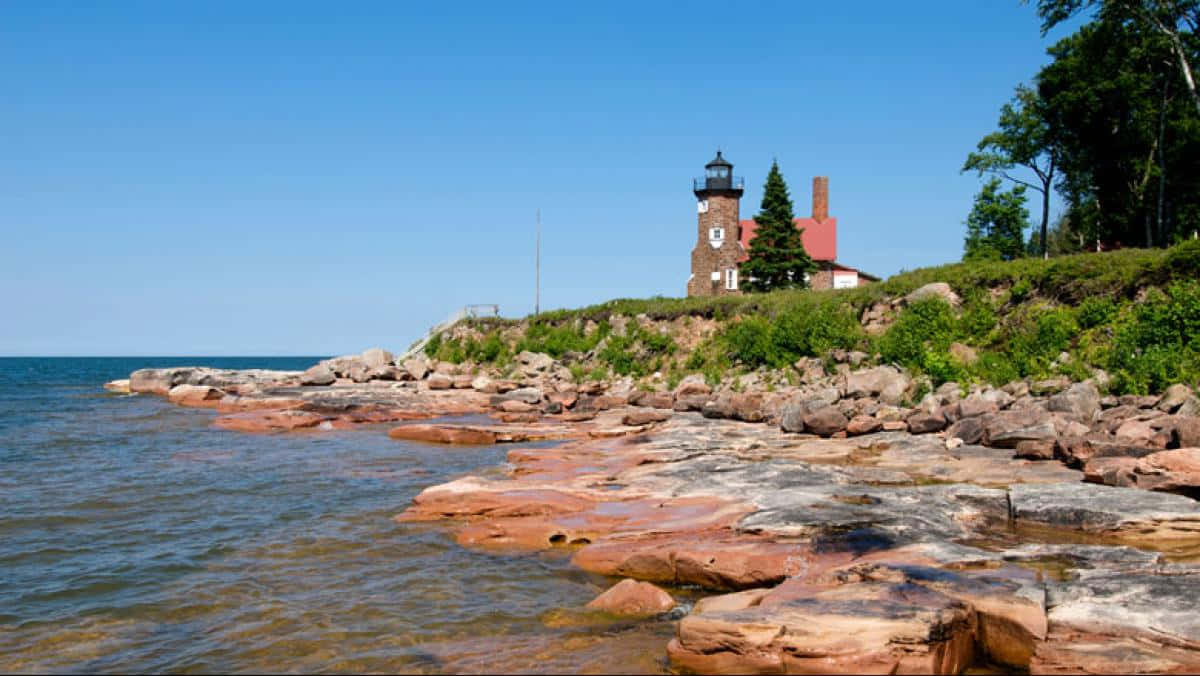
777 256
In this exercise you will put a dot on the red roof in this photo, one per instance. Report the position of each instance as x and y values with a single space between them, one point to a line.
820 239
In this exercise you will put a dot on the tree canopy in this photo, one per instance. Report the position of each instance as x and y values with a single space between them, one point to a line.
777 256
997 223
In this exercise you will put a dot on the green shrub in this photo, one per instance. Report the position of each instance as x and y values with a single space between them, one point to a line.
994 368
1020 291
1158 343
924 326
750 342
1039 337
1093 312
617 355
806 331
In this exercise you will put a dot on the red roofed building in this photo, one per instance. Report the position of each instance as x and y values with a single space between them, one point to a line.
724 239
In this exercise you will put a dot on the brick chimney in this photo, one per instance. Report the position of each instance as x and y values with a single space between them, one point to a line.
820 204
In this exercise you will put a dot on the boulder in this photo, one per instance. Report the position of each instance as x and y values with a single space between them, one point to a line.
1051 386
1036 449
974 406
565 398
376 357
691 402
748 407
970 430
529 395
463 382
887 383
195 395
924 423
1135 430
692 385
440 381
1189 407
863 424
1174 397
1081 400
1137 400
1187 432
515 406
1176 471
630 597
825 421
662 400
940 290
1009 428
534 362
644 417
387 372
417 367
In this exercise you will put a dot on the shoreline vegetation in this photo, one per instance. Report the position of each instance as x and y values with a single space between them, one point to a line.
977 465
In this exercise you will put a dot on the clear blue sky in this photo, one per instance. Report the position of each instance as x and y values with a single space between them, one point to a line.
315 178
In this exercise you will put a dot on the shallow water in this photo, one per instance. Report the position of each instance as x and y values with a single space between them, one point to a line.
134 537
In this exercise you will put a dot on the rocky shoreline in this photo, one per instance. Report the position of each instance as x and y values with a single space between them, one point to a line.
841 526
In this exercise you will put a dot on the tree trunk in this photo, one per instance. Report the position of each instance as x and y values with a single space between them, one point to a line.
1045 221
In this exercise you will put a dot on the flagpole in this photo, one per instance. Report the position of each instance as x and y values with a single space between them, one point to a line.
537 294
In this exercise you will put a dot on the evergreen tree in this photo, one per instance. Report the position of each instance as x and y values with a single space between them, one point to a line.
777 256
996 225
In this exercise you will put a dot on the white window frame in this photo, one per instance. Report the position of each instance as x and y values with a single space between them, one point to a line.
716 234
731 279
702 206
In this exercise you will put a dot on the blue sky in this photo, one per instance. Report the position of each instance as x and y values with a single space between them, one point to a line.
316 178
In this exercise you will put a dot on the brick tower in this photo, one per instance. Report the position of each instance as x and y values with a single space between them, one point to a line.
715 258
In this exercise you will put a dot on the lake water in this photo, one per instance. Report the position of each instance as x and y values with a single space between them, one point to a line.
134 537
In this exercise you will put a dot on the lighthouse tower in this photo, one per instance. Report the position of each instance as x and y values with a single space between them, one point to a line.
718 247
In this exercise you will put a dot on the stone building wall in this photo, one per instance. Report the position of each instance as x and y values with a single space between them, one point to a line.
723 212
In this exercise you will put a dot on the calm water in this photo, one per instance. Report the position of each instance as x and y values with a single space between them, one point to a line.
133 537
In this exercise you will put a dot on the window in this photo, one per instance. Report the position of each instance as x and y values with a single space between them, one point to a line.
716 234
731 279
702 206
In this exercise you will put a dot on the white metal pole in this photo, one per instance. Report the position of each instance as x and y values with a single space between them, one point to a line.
537 294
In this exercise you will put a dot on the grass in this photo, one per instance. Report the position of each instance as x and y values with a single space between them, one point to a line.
1134 312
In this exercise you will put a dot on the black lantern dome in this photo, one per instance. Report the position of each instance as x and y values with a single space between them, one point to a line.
718 178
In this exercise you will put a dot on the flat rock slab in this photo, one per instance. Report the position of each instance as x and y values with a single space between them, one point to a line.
1122 623
1141 517
867 627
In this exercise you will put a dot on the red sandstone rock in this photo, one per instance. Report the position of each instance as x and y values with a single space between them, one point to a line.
638 418
195 395
863 424
924 423
238 404
269 421
440 381
630 597
564 398
514 406
443 434
1036 449
825 421
517 417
